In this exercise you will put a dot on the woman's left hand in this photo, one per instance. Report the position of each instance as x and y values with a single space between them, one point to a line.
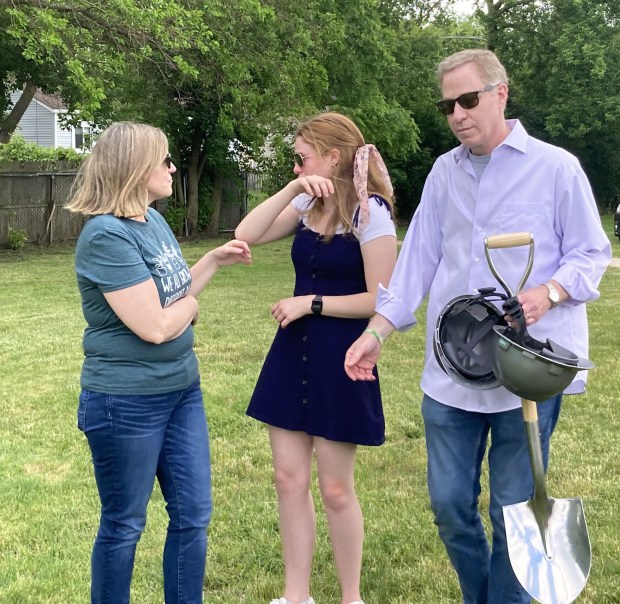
288 310
232 252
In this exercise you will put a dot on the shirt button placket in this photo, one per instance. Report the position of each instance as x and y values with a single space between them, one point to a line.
304 357
304 371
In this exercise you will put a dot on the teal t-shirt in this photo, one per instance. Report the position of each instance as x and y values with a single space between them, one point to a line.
116 253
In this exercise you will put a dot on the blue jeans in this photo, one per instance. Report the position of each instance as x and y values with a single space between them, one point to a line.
456 442
134 439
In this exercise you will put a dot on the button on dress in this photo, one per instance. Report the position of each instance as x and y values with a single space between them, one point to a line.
302 385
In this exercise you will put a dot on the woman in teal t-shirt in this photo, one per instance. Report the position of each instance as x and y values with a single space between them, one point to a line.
141 406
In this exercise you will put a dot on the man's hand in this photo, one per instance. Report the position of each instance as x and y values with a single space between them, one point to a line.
362 357
535 301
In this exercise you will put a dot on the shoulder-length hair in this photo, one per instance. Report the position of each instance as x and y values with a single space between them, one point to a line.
113 179
329 131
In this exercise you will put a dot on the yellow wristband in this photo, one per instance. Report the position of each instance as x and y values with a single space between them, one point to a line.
375 333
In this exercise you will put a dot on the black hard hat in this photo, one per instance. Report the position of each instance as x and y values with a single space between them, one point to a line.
464 341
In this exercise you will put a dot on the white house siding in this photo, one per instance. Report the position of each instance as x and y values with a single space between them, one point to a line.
64 138
37 124
40 125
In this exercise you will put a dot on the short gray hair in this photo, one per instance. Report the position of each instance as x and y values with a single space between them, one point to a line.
490 69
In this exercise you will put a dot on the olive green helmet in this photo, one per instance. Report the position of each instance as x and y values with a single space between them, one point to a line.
533 370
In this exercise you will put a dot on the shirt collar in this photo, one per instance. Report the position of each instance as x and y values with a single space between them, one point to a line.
517 139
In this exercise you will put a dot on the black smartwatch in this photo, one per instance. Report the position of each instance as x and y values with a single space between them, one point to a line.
317 305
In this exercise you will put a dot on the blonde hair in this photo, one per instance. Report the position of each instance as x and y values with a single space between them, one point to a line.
113 178
490 69
329 131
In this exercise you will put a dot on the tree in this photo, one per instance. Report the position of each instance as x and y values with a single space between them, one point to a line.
424 35
255 73
78 48
562 58
273 62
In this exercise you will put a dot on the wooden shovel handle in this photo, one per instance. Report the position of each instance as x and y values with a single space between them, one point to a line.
530 411
508 240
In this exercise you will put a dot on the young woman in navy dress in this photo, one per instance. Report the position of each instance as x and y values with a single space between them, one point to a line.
340 209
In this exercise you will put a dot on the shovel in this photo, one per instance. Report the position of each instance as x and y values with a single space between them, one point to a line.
548 542
547 538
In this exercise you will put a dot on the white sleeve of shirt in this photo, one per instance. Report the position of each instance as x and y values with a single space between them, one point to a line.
380 222
302 202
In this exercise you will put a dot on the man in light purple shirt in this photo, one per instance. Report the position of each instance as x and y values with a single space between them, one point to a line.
499 180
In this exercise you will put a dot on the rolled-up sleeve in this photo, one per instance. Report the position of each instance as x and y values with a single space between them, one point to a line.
586 250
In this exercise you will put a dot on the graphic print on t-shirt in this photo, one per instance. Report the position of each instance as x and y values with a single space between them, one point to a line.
175 280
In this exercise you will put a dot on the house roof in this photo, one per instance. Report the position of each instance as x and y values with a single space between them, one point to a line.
52 101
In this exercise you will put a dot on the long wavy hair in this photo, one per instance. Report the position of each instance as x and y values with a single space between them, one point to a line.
113 179
329 131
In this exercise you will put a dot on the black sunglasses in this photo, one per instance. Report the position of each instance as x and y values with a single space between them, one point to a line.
467 100
168 161
299 159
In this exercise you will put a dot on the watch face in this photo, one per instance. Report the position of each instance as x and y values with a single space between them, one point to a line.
554 294
317 305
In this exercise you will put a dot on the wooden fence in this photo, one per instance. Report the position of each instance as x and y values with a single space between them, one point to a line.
33 195
31 200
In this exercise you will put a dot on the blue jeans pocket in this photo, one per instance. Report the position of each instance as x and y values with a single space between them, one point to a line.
81 411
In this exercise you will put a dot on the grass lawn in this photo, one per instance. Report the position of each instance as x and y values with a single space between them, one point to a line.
48 501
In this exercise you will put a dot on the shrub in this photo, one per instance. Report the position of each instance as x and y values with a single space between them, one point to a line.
174 217
17 149
16 238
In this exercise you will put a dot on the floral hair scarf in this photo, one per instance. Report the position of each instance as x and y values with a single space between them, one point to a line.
360 179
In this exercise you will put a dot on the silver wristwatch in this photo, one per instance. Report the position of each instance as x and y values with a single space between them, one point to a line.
554 294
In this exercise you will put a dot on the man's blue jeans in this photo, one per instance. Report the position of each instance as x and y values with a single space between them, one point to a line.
456 442
134 439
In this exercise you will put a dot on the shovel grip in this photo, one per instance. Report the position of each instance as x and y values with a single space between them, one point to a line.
530 411
508 240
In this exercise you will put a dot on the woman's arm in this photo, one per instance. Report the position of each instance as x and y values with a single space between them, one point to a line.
274 218
139 308
230 253
379 258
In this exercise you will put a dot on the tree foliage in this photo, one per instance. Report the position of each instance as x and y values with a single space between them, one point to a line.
80 48
562 57
273 63
223 77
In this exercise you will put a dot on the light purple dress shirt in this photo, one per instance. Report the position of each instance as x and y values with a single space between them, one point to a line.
528 185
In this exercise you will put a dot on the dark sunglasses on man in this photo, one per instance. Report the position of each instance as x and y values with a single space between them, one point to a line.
467 100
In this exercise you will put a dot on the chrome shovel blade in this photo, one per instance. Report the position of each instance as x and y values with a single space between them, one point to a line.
553 570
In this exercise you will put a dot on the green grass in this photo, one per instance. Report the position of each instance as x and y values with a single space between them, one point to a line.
48 501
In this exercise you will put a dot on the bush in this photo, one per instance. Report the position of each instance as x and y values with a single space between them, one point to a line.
17 149
175 217
16 238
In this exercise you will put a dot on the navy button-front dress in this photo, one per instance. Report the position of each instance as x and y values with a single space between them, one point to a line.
303 385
